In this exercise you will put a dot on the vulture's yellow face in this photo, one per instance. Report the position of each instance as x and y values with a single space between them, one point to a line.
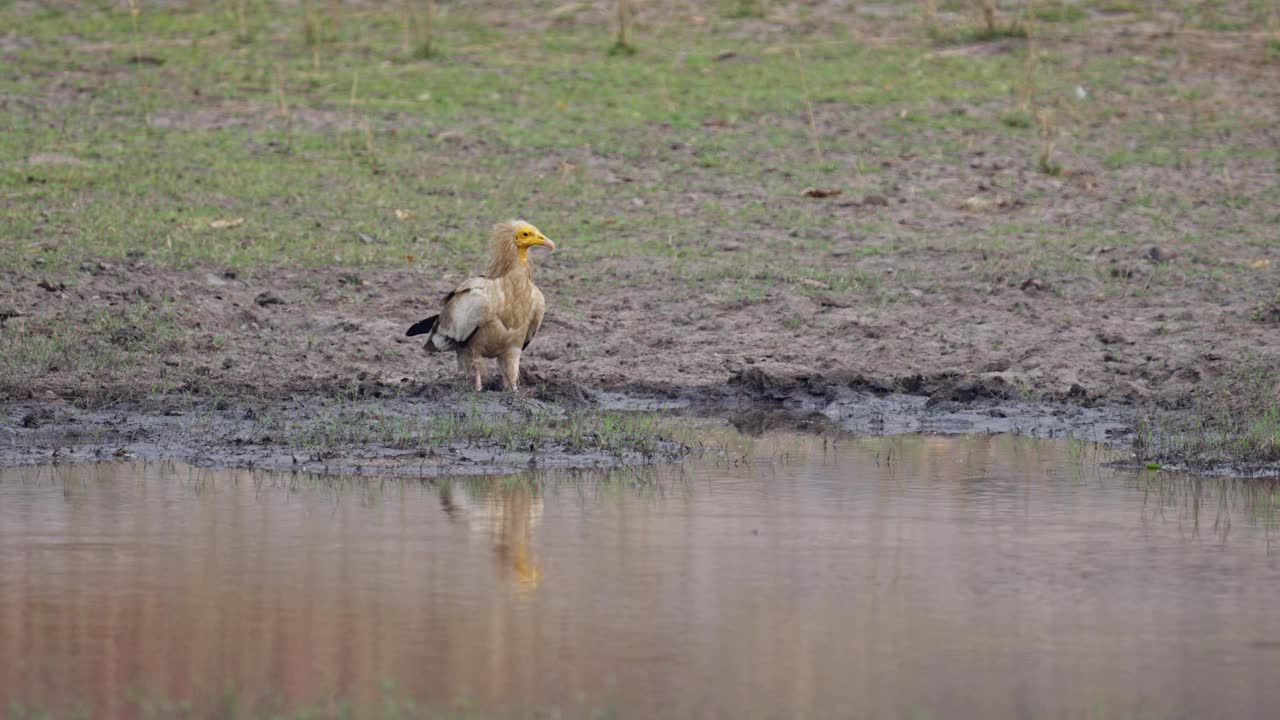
528 236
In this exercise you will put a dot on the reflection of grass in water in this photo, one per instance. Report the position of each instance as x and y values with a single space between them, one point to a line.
1085 455
1211 502
232 704
641 480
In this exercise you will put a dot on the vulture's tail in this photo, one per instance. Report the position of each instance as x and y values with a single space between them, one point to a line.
435 341
422 327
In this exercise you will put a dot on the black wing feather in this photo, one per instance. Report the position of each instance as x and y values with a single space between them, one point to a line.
423 327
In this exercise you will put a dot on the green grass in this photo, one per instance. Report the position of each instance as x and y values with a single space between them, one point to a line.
92 355
341 425
300 158
1267 312
1060 12
977 33
252 152
1231 424
311 147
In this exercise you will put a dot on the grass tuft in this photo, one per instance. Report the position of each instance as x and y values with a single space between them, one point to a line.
1271 51
345 425
743 9
622 42
1060 12
1048 141
991 28
422 30
619 49
1232 424
966 36
1267 312
111 345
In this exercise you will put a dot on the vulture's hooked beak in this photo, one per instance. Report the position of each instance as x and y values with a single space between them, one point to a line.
546 242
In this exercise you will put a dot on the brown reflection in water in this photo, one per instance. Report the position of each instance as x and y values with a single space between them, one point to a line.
950 576
507 512
175 584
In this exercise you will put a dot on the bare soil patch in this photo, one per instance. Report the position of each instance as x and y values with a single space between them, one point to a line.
316 330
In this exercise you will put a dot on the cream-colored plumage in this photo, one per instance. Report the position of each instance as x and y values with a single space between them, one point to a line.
495 315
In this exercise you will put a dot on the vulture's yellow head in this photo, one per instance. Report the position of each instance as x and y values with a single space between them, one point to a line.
511 243
526 236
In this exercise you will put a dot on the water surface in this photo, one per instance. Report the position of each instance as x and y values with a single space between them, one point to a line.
795 576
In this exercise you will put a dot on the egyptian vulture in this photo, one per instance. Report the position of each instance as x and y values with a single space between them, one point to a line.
495 315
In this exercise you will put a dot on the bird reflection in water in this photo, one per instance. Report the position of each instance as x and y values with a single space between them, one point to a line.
520 510
507 512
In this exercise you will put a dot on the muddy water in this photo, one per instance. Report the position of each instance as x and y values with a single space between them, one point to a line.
907 577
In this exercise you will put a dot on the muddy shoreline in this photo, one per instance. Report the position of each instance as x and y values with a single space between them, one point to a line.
381 430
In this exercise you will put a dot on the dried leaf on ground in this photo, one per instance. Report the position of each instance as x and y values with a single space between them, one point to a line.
821 192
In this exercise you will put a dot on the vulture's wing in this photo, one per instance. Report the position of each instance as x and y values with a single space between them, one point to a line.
539 306
465 310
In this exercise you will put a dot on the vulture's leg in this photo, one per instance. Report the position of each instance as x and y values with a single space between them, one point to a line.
510 362
470 367
479 383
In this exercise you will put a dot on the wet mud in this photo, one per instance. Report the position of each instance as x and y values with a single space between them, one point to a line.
438 430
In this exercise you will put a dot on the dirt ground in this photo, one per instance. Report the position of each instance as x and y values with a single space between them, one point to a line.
315 331
323 330
274 357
